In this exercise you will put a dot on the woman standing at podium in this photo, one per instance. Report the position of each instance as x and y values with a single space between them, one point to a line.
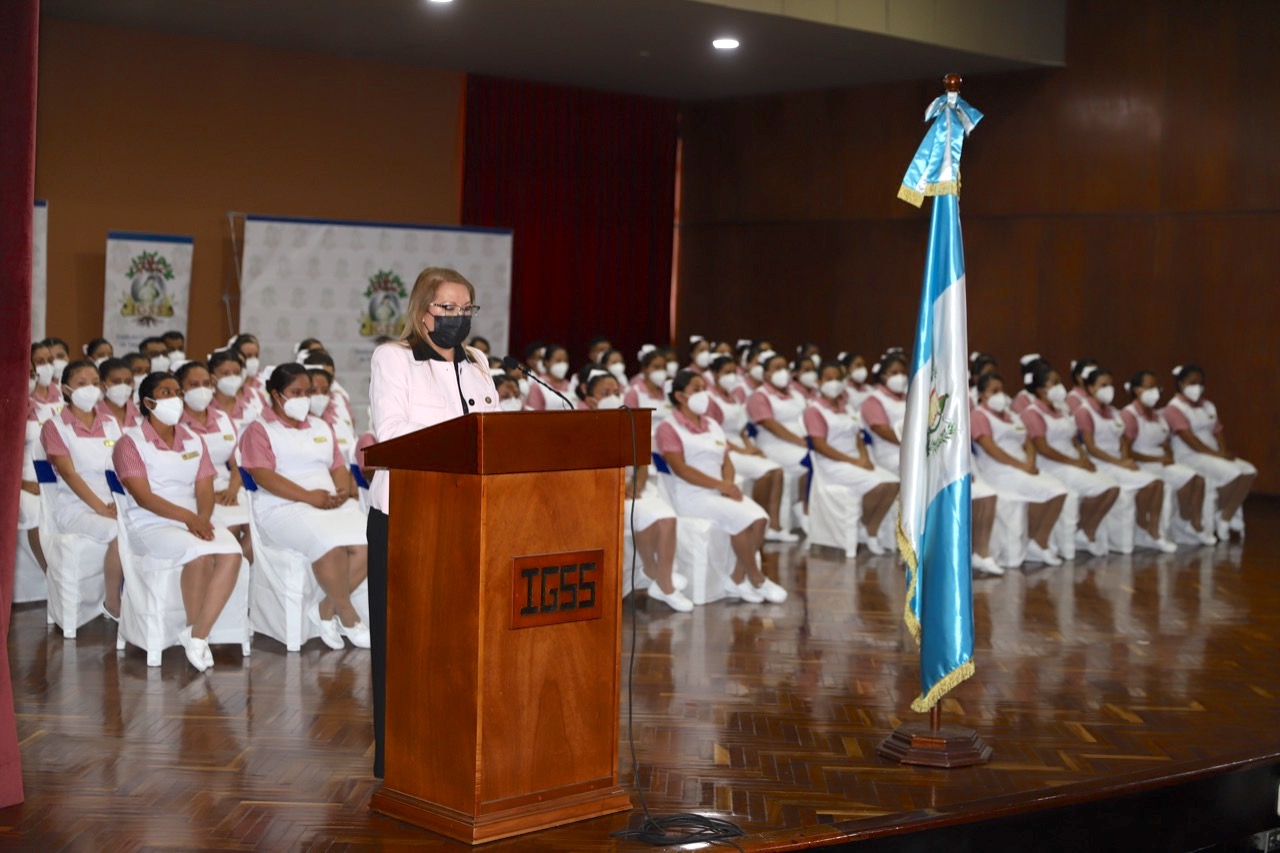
425 378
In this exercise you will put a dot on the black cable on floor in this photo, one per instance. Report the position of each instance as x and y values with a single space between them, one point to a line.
686 827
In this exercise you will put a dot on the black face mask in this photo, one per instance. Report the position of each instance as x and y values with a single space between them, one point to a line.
450 331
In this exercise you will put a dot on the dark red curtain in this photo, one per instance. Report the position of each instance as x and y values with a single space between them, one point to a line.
587 182
18 28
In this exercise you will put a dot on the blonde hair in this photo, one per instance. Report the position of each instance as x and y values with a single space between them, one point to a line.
424 292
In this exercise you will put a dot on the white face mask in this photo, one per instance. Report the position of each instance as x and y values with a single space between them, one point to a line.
619 370
897 383
177 357
537 365
86 397
59 365
174 364
728 382
1057 393
1193 392
198 399
699 402
832 388
97 362
44 375
159 363
319 402
817 357
524 387
1150 397
703 359
119 394
658 377
1105 394
997 402
809 379
251 366
230 385
613 401
780 378
511 404
559 369
858 375
757 373
167 411
297 408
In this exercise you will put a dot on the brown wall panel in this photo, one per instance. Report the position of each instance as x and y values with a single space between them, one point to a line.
1126 207
143 132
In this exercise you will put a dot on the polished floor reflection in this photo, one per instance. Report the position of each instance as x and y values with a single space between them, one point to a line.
767 715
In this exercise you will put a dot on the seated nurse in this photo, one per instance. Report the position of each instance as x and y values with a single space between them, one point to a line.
695 449
169 476
654 532
201 417
79 443
304 503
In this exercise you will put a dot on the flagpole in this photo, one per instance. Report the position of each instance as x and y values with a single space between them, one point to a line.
938 568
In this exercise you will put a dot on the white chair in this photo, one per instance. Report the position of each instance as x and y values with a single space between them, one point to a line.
74 584
283 588
152 613
835 513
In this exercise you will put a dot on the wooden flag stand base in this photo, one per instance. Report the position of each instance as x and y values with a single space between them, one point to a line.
935 745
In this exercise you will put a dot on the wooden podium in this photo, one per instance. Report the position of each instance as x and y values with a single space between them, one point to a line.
503 620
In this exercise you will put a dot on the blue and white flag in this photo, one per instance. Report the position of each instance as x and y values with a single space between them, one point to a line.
934 520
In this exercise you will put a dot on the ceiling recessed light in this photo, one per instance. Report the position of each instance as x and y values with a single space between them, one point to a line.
439 1
725 43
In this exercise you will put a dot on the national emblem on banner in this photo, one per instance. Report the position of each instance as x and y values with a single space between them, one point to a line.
384 314
147 298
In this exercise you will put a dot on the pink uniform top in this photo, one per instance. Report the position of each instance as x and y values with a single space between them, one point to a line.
1178 422
759 406
873 413
539 398
52 393
714 411
209 427
1076 398
979 423
1085 421
52 441
633 399
255 444
1131 421
131 414
815 424
128 461
237 411
668 440
1033 418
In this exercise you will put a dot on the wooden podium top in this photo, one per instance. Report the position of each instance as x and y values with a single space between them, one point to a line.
520 442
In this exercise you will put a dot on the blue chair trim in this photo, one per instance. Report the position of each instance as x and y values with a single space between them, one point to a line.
866 436
250 485
807 462
45 473
752 431
660 464
114 484
360 480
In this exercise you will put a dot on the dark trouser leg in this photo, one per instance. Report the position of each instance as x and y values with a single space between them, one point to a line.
377 535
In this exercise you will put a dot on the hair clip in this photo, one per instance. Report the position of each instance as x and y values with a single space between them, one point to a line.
1074 362
696 339
645 350
594 373
842 356
743 342
973 356
1128 388
1088 371
1177 369
1028 358
765 356
1026 378
875 368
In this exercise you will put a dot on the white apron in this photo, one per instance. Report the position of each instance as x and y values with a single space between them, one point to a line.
1060 433
305 456
735 421
1011 437
1107 431
843 428
705 452
172 476
886 454
1217 471
1153 433
91 457
788 411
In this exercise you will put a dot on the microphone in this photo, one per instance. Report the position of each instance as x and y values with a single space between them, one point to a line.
510 365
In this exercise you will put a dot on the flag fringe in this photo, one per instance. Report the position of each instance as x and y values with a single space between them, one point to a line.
943 687
909 556
911 196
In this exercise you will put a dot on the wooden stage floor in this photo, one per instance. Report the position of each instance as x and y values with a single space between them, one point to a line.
1089 676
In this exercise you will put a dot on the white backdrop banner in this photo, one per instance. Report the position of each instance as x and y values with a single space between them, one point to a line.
148 282
39 269
347 283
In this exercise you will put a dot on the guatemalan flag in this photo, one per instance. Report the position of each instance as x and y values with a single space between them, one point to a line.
934 522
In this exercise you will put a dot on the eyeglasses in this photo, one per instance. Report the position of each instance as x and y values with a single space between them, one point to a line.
448 309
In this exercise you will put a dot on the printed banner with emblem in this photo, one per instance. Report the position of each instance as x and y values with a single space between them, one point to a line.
147 287
39 268
348 283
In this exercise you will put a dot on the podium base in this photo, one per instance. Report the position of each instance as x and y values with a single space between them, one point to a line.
948 746
478 829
